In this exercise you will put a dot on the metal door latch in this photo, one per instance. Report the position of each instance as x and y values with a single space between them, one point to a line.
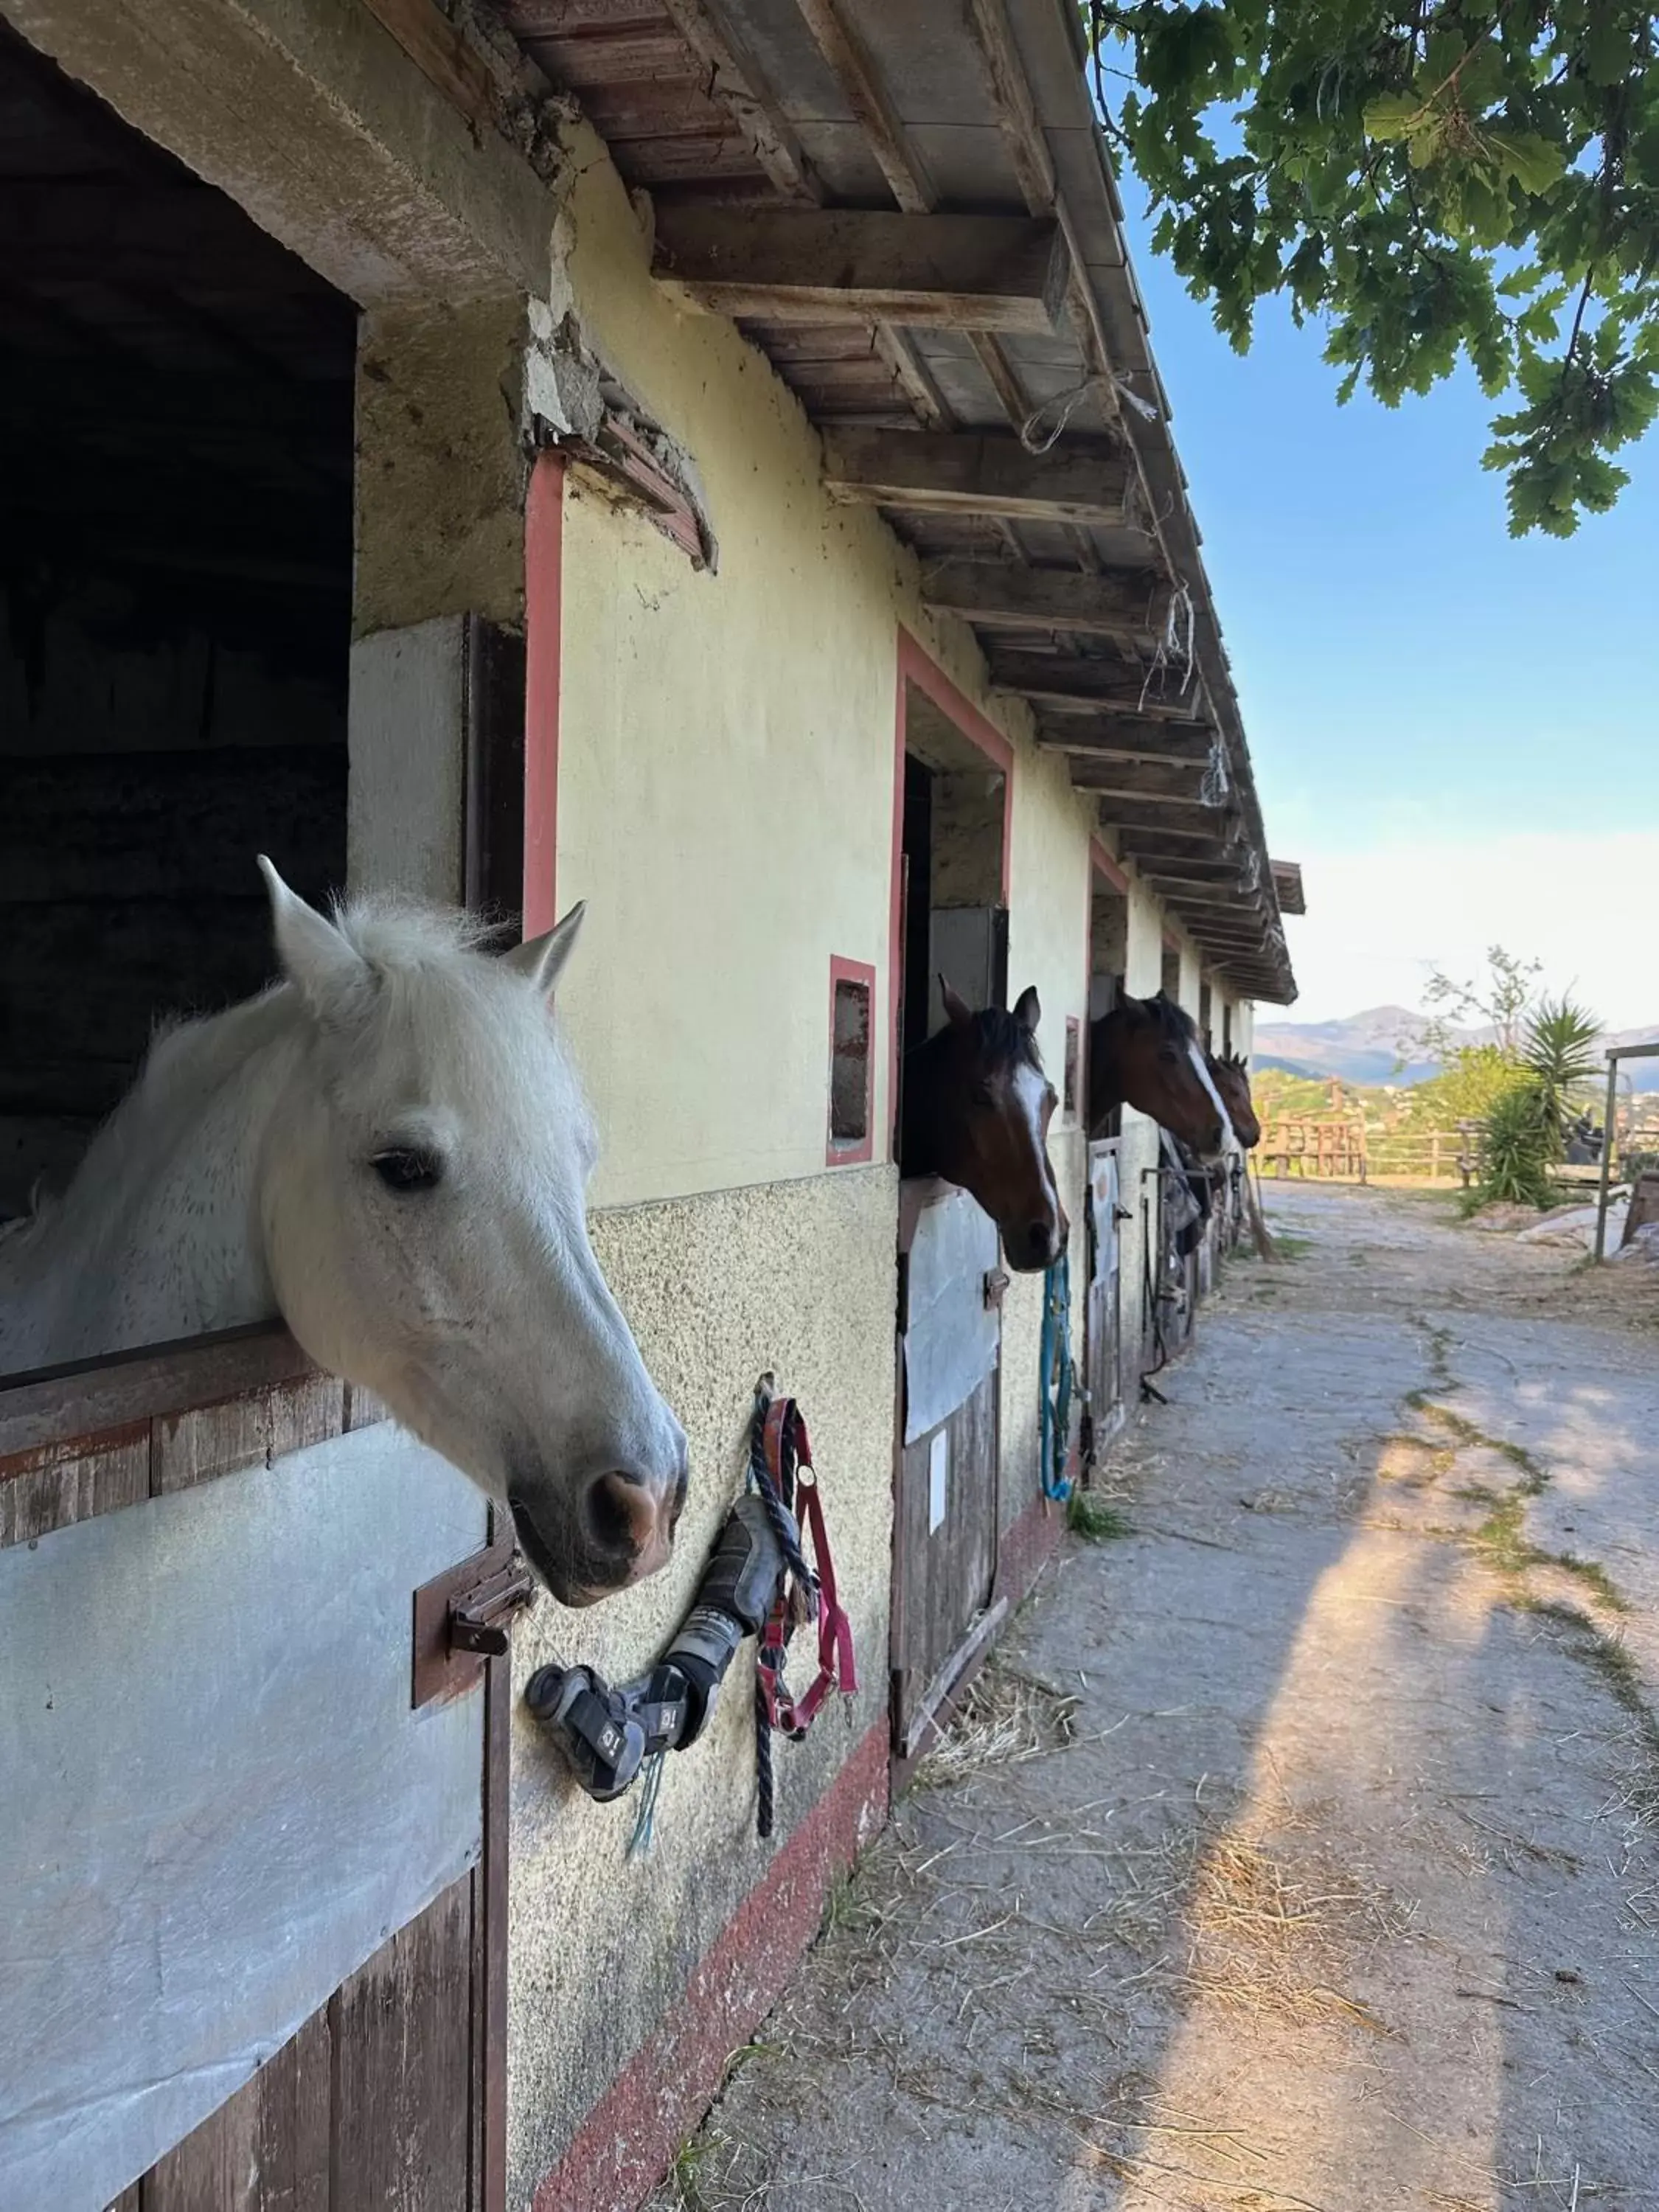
464 1618
995 1283
481 1618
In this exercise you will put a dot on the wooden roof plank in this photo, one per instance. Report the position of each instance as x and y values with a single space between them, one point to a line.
843 265
970 473
1171 817
1119 741
866 95
1151 782
766 130
1130 605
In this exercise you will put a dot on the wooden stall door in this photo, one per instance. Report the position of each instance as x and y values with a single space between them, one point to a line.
1168 1321
154 1472
377 2104
945 1509
1102 1329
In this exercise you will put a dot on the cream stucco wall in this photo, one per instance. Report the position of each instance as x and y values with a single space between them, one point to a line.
726 783
726 759
726 756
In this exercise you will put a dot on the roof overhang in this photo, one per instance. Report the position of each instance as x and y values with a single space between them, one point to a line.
907 204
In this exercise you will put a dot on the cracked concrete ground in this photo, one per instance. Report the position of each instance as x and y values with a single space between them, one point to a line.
1299 1851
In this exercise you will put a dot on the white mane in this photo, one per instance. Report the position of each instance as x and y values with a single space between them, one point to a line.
191 1058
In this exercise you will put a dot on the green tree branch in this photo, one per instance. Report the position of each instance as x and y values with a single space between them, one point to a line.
1432 183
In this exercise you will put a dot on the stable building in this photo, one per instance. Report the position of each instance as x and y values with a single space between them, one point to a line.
704 459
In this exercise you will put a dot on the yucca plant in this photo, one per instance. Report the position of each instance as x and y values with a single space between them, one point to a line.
1558 1052
1518 1148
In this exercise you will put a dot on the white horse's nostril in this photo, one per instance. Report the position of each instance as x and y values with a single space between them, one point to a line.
622 1514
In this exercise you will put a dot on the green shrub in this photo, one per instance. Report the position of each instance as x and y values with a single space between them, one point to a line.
1519 1146
1473 1080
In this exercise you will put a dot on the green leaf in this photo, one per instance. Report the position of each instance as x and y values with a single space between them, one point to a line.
1456 217
1395 115
1608 50
1533 161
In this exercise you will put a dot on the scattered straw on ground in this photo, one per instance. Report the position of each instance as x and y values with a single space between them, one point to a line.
1267 1938
1006 1717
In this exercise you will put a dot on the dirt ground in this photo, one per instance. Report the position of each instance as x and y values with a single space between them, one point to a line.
1299 1851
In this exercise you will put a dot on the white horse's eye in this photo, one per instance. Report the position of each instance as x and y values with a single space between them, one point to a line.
403 1171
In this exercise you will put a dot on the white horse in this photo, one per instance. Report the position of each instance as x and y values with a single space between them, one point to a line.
389 1149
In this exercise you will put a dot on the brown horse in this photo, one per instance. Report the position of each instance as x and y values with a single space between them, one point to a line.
1146 1054
977 1108
1232 1080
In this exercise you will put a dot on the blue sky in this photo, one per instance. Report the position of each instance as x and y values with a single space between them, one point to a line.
1456 732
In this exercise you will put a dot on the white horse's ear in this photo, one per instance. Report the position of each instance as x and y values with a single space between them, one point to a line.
315 958
542 958
954 1004
1028 1011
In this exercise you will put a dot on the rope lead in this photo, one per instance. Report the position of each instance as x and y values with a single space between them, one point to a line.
1058 1375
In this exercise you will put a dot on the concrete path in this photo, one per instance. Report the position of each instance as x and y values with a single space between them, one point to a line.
1299 1852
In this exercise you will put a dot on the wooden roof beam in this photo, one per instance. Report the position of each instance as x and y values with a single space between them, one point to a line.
1187 870
974 472
1241 941
1146 848
804 264
866 95
1159 782
1090 687
1187 818
765 129
1182 891
1130 605
1127 740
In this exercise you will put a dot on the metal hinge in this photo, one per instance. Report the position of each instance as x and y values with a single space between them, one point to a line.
996 1282
465 1618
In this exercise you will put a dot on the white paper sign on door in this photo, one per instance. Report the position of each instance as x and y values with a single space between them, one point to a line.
938 1479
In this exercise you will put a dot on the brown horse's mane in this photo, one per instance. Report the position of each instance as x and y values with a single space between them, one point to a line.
999 1041
1172 1017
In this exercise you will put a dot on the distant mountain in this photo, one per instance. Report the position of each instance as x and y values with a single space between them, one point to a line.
1367 1047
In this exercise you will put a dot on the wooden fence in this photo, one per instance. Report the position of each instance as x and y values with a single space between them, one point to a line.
1340 1148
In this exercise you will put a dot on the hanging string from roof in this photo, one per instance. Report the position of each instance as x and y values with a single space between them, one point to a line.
1062 405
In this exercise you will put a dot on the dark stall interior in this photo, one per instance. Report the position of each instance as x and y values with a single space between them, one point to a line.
175 568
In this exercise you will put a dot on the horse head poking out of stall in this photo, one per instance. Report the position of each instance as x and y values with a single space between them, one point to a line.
1232 1080
977 1107
1146 1054
389 1149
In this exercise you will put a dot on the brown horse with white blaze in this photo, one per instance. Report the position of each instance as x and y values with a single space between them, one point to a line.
1146 1054
1232 1080
977 1107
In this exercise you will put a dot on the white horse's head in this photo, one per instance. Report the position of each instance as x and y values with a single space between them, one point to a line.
422 1197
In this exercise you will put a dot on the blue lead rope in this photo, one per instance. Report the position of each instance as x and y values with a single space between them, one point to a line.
1057 1378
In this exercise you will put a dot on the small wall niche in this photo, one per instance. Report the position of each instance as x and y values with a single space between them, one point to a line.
852 1061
